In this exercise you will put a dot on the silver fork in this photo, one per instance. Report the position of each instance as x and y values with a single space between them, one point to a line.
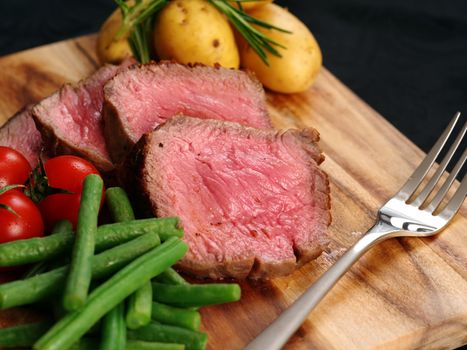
401 216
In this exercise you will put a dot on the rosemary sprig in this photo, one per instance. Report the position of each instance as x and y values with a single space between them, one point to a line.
242 21
140 42
136 14
240 2
137 24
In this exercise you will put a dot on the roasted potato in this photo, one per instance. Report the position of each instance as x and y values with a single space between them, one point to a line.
109 49
301 61
193 31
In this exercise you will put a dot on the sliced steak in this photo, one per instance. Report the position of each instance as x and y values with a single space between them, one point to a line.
20 133
252 202
142 97
70 120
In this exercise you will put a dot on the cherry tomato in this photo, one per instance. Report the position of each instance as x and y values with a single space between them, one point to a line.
25 222
66 173
60 206
14 167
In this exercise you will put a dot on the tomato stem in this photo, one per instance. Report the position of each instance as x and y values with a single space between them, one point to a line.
37 186
9 187
10 209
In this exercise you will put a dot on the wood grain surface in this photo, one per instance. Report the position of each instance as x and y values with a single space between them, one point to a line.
404 294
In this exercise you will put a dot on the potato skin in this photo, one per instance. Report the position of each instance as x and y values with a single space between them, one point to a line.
193 31
300 63
110 50
247 6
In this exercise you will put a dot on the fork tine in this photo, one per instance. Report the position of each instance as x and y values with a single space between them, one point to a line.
442 167
447 184
415 179
456 201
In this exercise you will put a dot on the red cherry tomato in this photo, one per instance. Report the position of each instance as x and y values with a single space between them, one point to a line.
25 222
60 206
14 167
66 173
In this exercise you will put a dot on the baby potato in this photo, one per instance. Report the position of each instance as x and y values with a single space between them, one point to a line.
250 5
109 49
301 61
193 31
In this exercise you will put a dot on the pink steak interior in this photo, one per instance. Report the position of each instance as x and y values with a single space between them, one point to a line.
239 191
147 96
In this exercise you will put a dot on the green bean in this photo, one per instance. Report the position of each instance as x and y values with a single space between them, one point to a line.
139 303
28 291
156 332
80 274
39 287
74 325
61 227
170 276
185 318
114 234
113 326
140 307
187 295
114 329
144 345
22 335
34 250
93 344
112 260
119 204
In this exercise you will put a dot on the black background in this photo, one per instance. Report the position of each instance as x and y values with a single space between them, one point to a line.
407 59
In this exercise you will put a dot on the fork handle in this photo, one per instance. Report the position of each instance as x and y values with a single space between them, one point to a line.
278 332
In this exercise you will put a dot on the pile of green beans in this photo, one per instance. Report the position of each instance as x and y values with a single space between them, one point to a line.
119 291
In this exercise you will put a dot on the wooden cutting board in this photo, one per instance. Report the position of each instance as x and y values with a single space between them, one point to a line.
405 293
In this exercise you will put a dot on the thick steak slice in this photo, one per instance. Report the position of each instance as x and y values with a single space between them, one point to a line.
70 120
252 202
142 97
20 133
